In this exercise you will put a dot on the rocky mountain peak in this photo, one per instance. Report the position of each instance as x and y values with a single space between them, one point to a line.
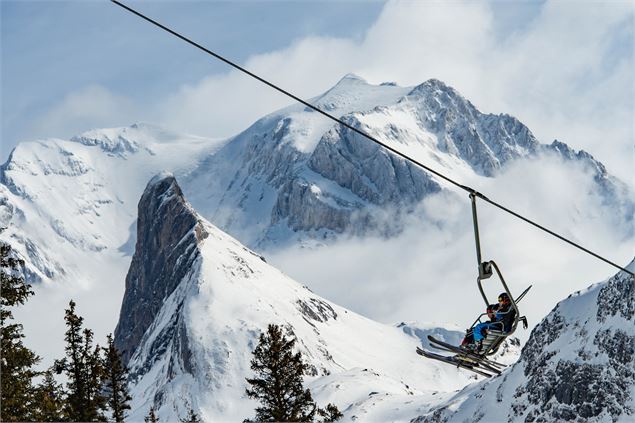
436 90
168 235
578 365
197 300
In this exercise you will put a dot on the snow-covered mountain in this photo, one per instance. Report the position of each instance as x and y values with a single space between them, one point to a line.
196 301
578 365
295 175
69 204
290 177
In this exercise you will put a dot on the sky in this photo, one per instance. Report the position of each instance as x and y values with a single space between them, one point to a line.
71 66
565 69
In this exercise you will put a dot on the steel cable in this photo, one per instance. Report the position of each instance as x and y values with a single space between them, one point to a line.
375 140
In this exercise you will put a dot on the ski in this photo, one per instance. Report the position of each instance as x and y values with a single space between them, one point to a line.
451 360
472 361
463 353
465 357
488 367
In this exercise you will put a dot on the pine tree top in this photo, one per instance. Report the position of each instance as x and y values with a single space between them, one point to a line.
278 381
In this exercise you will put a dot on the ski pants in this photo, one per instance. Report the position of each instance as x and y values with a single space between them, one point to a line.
478 330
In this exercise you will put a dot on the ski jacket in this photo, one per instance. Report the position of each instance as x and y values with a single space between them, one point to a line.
505 315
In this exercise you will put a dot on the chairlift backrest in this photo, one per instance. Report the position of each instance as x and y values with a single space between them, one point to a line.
492 265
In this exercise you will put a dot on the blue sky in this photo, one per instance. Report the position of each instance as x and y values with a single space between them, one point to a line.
52 48
564 69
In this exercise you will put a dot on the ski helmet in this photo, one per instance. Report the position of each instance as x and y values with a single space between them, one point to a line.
503 297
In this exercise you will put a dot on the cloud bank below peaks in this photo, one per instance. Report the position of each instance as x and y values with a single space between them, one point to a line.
428 273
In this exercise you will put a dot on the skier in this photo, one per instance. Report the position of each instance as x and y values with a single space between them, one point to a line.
501 317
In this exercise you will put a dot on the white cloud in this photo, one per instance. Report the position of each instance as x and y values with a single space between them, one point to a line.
567 74
89 107
429 272
225 104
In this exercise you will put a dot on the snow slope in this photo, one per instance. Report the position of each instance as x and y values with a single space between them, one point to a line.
70 209
195 348
71 202
578 365
292 177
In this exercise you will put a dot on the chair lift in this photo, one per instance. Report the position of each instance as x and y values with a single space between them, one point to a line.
478 361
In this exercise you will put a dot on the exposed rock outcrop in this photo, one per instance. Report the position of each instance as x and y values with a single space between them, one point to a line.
578 365
168 234
196 302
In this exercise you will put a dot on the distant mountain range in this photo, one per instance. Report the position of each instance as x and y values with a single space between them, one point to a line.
292 177
196 299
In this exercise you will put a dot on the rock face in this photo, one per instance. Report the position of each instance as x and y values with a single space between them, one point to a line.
168 234
578 365
486 141
297 175
196 302
600 378
293 176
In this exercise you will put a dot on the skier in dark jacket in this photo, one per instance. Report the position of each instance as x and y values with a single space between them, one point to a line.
501 316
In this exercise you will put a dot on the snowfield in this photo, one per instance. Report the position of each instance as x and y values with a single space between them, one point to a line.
296 179
196 351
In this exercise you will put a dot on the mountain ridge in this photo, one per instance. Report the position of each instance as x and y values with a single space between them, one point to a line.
578 365
195 352
71 205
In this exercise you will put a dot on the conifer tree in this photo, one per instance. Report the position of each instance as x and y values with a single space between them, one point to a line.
116 381
49 400
152 416
278 382
95 375
330 413
84 370
192 417
16 360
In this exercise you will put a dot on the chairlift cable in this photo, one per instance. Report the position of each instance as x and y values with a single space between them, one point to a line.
371 138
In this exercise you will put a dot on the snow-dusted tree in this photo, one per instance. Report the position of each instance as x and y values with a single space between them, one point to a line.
191 417
16 361
330 413
152 416
84 370
115 381
278 382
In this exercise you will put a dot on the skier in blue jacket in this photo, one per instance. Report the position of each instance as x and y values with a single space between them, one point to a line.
501 318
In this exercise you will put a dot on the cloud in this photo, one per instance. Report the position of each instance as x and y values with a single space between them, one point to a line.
566 72
90 107
567 75
225 104
428 273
